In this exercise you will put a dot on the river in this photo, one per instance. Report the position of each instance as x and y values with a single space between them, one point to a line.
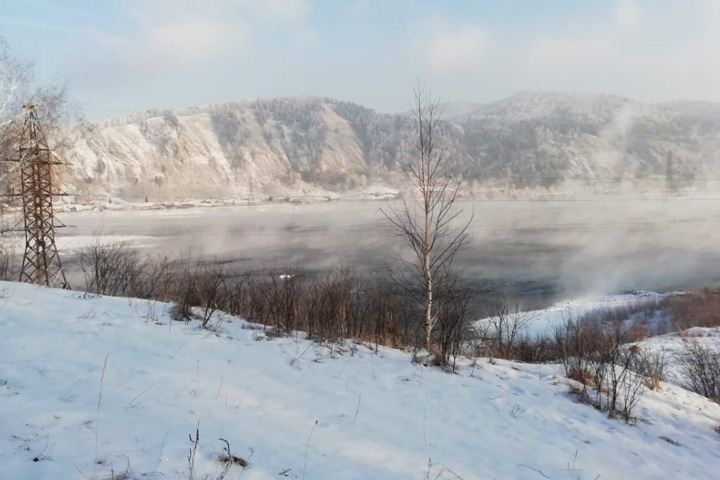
538 252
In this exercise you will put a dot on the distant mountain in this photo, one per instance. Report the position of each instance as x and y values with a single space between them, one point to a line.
708 111
307 145
458 109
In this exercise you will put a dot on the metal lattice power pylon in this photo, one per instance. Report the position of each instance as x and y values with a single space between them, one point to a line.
41 262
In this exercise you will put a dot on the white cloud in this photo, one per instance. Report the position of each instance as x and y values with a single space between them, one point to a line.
167 35
550 52
627 14
294 10
642 49
184 42
461 48
650 55
170 35
305 37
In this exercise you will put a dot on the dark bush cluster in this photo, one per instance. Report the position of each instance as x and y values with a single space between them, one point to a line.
379 309
598 357
331 307
337 305
695 309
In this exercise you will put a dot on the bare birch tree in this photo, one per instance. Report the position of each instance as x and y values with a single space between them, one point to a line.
428 221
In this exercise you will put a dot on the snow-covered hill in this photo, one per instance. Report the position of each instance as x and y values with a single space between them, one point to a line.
93 386
225 151
310 146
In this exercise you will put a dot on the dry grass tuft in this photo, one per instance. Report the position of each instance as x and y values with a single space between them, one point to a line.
225 459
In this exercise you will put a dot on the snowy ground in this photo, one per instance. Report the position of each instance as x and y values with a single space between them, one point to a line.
671 347
544 322
295 409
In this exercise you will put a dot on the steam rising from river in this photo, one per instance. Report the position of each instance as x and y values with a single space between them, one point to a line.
537 251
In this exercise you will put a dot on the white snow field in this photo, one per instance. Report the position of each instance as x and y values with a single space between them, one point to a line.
296 409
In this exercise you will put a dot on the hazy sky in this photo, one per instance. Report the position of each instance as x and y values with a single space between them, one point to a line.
127 55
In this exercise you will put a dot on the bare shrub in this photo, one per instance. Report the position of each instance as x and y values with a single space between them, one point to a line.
329 304
535 349
594 352
651 365
115 268
201 286
504 328
586 377
454 328
577 343
274 299
638 332
159 278
210 284
700 365
338 305
625 387
7 263
630 392
385 310
111 268
335 306
695 309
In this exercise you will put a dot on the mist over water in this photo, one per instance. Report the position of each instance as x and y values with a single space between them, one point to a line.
537 252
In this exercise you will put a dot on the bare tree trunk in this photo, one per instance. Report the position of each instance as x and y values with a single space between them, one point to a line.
429 318
429 321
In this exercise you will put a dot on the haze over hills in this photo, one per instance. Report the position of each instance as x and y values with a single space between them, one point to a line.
535 141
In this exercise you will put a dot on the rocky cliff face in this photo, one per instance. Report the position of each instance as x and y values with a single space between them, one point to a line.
307 146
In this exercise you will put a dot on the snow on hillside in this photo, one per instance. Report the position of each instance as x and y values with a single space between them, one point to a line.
308 146
532 105
296 409
266 148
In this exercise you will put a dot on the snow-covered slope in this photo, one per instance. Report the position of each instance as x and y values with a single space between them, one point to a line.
297 146
673 346
92 386
310 146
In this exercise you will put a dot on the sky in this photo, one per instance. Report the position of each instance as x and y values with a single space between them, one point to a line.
120 56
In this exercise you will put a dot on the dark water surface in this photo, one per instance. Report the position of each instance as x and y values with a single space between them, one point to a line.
538 251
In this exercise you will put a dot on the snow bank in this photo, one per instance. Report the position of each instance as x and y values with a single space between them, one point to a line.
544 322
295 409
